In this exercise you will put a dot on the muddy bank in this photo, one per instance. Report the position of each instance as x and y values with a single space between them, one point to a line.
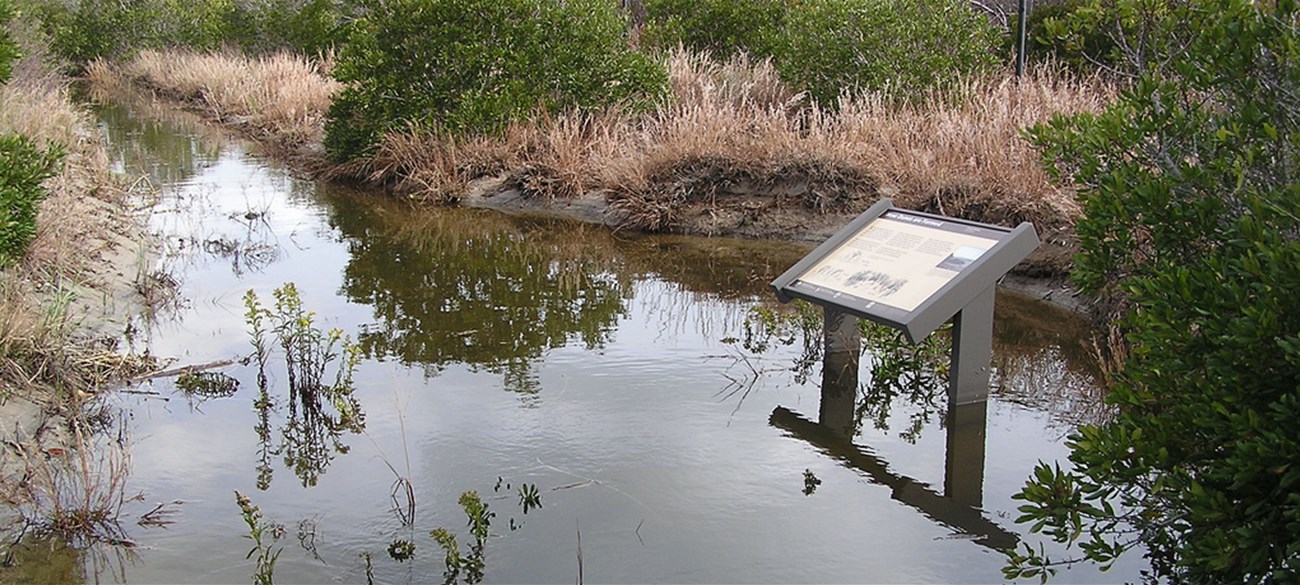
69 308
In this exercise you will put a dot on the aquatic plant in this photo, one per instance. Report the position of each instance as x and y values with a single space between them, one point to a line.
207 384
479 521
810 482
528 497
263 534
401 550
319 412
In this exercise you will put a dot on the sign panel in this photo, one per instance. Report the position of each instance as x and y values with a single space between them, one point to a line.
901 259
907 269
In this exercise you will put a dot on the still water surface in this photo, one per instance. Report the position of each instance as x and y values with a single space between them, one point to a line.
606 369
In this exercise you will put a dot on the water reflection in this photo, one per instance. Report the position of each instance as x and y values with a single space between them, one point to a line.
498 292
839 418
459 289
150 145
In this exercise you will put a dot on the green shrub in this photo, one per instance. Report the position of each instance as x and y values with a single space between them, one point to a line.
309 27
465 66
93 29
718 27
8 48
1191 213
86 30
23 167
1052 34
829 47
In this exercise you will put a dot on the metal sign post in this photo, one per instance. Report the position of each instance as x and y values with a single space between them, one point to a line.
914 271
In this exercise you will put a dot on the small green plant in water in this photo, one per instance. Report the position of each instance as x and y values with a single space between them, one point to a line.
810 482
528 497
207 384
263 534
401 550
319 412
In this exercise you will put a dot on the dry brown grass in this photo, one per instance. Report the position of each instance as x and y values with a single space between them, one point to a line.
963 157
733 131
280 99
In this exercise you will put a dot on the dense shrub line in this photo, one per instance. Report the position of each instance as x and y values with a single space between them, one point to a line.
832 47
489 62
1191 211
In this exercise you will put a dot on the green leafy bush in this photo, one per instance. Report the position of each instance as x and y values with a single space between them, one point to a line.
829 47
1192 209
8 48
23 167
1059 32
464 66
92 29
718 27
309 27
86 30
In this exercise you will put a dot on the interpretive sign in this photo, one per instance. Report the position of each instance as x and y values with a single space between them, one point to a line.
906 269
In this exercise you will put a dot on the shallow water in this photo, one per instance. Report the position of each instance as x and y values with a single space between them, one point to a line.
606 369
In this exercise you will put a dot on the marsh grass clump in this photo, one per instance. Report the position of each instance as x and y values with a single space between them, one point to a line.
75 494
279 98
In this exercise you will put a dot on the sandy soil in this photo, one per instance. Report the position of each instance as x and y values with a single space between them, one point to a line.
34 421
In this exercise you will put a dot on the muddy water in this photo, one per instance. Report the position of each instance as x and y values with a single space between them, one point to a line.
608 371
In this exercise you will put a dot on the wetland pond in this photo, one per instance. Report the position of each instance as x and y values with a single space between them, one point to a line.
626 406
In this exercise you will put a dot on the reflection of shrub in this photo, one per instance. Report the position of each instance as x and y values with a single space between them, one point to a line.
465 66
23 167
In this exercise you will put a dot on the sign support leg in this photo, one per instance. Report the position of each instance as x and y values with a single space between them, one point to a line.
972 351
842 349
963 469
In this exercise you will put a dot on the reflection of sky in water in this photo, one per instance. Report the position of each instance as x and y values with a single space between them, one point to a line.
630 440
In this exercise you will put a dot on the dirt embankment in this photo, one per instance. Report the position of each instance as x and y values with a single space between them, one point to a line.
80 290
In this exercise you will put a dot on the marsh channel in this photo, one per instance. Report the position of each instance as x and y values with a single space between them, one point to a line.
615 400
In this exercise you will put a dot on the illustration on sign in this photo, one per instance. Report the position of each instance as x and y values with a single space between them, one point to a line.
899 260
